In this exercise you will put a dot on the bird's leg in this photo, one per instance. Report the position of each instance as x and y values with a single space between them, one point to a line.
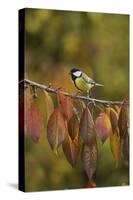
89 94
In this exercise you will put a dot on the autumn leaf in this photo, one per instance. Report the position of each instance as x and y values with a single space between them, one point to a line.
56 129
65 104
86 127
123 124
89 159
124 146
117 108
73 126
114 135
71 149
114 119
103 126
24 103
21 113
33 121
123 121
49 106
115 145
79 106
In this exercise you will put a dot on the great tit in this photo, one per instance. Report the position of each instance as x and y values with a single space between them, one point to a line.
82 81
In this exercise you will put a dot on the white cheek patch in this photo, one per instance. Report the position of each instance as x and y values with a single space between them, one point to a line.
77 74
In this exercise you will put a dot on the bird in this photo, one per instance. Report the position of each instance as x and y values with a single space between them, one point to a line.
82 81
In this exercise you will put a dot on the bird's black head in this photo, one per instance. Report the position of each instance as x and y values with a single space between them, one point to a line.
75 73
74 70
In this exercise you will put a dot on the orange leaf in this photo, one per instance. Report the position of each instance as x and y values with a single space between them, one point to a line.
73 126
86 127
89 159
56 129
65 105
33 121
114 135
103 126
115 145
71 149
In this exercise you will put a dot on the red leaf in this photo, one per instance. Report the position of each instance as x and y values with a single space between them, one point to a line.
71 149
103 126
73 126
24 103
65 105
89 159
86 127
56 129
33 121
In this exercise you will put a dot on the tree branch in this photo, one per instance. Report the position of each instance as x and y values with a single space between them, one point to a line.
53 90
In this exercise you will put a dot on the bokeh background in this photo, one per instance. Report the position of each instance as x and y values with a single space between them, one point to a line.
55 41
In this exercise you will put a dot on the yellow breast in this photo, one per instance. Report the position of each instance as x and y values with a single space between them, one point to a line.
82 85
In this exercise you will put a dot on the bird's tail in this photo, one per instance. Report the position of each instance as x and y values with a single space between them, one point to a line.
97 84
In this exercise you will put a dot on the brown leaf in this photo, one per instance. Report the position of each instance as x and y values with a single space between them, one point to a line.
71 149
89 159
113 119
56 129
49 106
123 121
103 126
33 121
86 127
124 145
65 104
114 135
117 108
73 126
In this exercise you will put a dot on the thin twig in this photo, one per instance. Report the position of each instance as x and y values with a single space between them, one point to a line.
53 90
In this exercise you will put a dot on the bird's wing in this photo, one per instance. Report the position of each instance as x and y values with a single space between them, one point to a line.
88 79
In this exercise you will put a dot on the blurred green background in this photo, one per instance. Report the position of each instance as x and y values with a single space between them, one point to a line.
56 41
